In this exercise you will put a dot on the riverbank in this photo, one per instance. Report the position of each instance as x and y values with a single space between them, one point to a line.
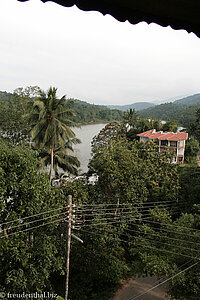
96 122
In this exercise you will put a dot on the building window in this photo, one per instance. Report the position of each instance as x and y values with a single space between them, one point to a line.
173 143
164 143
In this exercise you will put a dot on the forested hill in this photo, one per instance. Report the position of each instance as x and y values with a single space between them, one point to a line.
184 114
137 106
91 113
182 110
85 113
190 100
4 96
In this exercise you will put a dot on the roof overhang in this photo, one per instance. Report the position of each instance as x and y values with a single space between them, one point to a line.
179 14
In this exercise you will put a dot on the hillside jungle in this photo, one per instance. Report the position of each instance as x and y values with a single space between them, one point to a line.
142 217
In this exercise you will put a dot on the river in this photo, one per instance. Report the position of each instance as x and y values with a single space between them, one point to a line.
83 151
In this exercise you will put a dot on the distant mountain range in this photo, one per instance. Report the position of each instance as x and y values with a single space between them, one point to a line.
137 106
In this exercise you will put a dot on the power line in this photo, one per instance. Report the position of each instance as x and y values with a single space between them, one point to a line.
99 205
177 246
182 227
161 236
127 203
133 298
156 249
125 206
123 218
35 221
25 218
163 277
28 229
166 237
129 218
113 212
168 251
138 209
163 229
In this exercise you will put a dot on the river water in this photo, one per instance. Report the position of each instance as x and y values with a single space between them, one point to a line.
83 150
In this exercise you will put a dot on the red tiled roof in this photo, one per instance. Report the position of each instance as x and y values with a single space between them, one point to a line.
170 136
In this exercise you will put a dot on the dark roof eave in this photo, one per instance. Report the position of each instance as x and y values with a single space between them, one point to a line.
179 15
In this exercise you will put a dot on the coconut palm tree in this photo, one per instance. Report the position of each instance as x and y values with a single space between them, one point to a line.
62 160
50 123
131 118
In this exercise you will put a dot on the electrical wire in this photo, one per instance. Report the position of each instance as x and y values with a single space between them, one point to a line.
163 243
182 227
139 209
156 249
79 206
177 246
163 277
116 217
25 218
136 219
126 207
163 229
35 221
172 277
127 203
29 229
161 236
166 237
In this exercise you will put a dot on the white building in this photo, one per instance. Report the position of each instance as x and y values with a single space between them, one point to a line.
175 142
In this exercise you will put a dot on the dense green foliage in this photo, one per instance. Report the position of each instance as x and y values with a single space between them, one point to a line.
134 172
194 127
4 96
90 113
13 126
189 187
191 151
26 265
168 247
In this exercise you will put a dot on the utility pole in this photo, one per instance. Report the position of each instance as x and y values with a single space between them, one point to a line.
69 235
69 228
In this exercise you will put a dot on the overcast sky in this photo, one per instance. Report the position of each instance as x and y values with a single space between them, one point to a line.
93 57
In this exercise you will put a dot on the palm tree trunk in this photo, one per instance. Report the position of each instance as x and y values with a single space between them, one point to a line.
29 141
51 170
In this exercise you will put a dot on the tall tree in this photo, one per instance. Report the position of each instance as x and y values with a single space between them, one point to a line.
131 118
62 159
50 122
